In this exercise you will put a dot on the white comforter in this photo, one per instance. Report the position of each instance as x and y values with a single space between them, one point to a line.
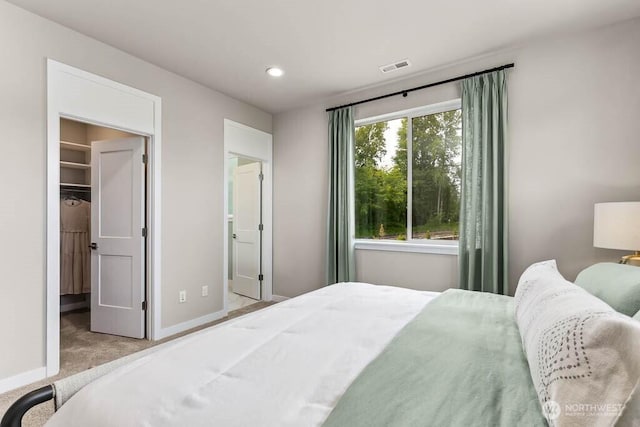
286 365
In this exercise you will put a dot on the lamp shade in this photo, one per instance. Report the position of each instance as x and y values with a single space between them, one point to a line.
617 226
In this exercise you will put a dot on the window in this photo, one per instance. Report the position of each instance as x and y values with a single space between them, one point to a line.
407 175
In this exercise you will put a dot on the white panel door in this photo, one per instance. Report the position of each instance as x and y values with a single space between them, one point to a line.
246 233
117 219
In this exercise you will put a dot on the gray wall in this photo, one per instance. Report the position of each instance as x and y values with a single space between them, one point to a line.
299 201
192 177
574 103
424 272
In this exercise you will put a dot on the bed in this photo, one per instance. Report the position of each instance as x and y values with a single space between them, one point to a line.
350 354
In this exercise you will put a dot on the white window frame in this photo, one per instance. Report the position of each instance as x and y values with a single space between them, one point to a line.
410 245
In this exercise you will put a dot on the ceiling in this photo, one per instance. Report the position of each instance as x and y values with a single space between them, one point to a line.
326 47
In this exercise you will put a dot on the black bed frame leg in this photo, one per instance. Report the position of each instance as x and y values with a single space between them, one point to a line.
13 416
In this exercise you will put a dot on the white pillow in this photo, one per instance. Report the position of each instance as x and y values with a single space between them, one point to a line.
584 357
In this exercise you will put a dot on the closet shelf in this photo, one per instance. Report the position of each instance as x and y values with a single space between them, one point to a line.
73 165
71 184
74 146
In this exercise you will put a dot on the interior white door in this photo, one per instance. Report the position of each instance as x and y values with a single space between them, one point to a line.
117 221
246 232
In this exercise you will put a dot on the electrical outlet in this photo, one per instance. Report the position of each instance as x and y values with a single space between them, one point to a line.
183 296
205 291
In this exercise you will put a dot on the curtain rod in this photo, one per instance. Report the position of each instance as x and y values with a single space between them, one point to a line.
405 92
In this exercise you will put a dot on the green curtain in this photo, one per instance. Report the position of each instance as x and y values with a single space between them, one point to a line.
340 254
483 206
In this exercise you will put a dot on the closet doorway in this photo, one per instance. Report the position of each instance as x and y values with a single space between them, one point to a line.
103 192
84 97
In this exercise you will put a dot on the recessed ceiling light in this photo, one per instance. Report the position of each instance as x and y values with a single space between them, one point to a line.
275 71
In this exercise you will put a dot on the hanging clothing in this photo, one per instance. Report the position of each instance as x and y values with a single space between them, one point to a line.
75 274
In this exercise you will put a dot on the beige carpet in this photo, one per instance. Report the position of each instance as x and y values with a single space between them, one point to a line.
81 349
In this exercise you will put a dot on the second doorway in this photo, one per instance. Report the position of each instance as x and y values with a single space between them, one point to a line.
245 231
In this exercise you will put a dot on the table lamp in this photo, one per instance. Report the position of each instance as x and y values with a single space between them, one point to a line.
617 226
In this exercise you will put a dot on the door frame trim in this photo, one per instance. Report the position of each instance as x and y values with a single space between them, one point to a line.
263 152
82 96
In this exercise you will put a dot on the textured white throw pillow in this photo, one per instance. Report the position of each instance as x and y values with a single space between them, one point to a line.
584 357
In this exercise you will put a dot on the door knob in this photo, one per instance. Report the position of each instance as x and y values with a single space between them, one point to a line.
234 235
93 246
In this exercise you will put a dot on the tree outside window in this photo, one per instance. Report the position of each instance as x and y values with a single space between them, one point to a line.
386 188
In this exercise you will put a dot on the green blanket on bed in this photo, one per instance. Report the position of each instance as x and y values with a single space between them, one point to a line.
458 363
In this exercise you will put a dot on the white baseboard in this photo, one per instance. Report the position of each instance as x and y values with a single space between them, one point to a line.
189 324
278 298
16 381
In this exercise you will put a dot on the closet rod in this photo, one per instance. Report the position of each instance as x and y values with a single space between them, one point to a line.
405 92
75 190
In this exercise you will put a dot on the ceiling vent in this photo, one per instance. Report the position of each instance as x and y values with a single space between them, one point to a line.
395 66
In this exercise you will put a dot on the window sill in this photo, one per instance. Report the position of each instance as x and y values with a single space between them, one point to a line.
430 247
